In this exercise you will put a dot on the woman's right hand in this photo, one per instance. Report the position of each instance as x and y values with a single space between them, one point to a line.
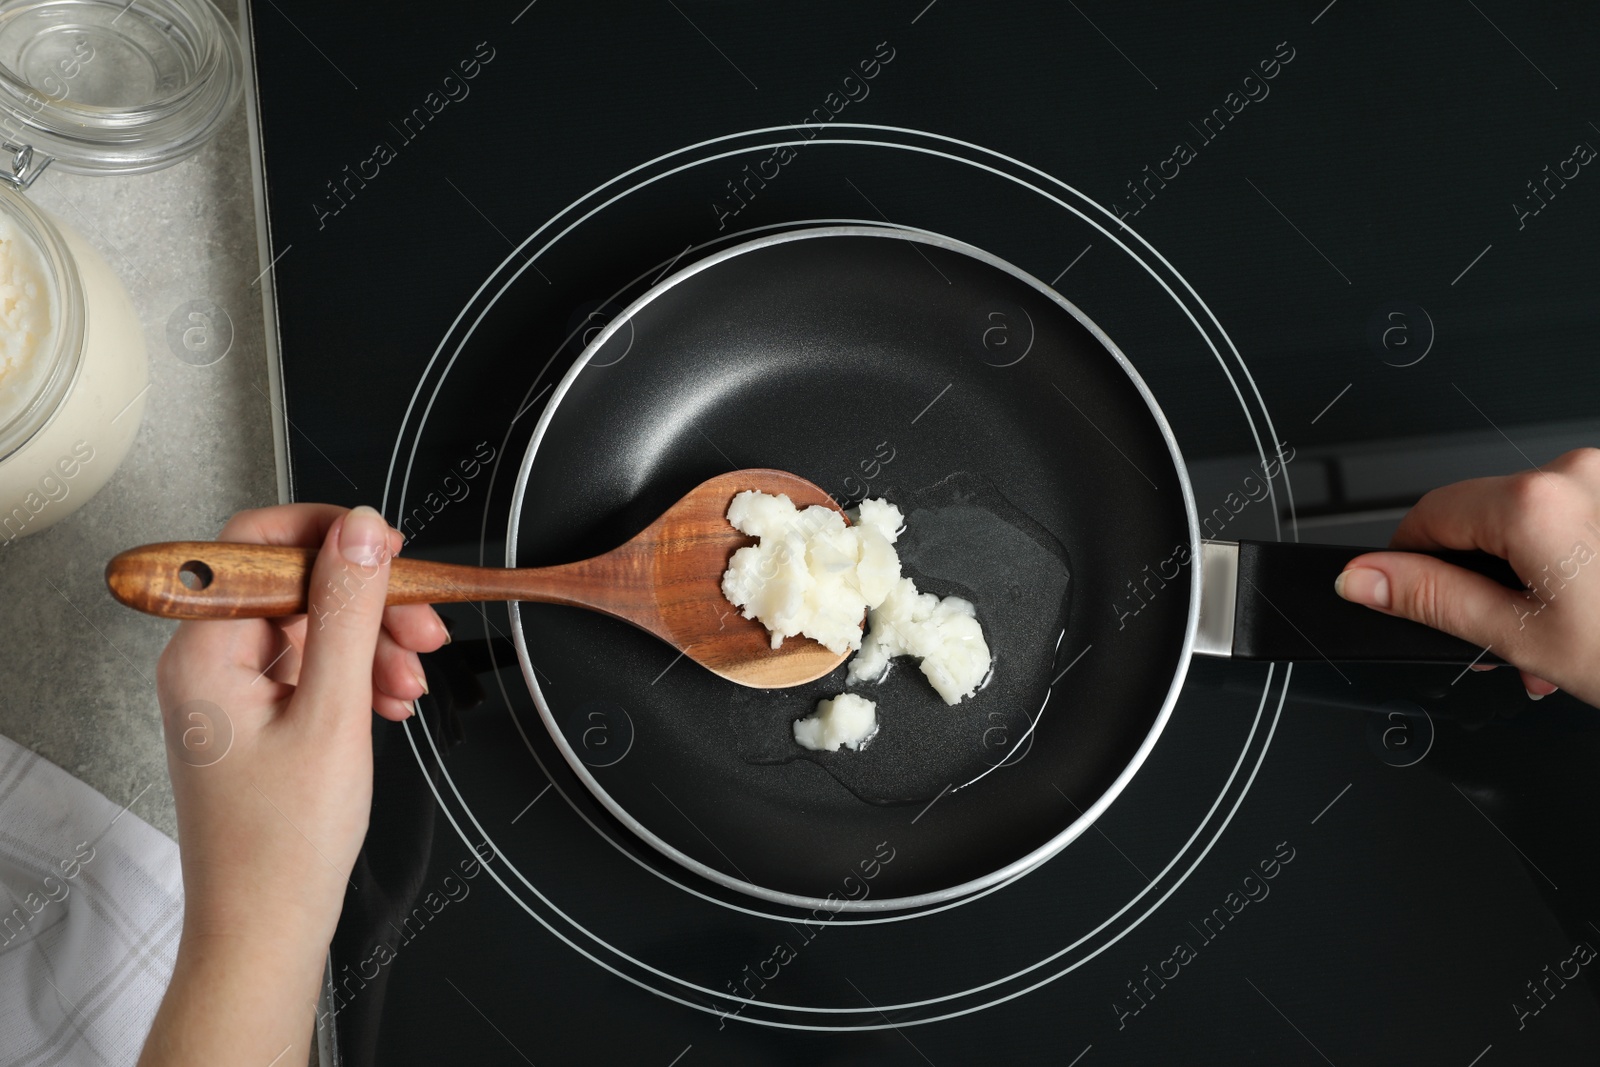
1546 524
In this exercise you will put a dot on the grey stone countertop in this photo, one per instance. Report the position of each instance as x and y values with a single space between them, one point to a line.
77 677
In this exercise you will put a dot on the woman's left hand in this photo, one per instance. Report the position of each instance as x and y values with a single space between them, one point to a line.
270 754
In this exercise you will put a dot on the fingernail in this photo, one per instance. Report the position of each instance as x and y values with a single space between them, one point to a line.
1363 585
1534 696
422 680
443 626
364 537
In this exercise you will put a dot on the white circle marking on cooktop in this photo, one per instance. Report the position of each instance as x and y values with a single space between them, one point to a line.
1209 314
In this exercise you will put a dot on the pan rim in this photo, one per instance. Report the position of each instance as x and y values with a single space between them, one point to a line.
1015 868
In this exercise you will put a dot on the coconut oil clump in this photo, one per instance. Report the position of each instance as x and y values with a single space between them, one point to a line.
943 633
25 319
847 720
810 574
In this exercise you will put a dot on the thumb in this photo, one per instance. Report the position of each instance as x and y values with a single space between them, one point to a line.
349 582
1437 594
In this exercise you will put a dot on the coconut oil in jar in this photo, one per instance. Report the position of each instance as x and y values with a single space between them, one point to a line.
73 370
90 87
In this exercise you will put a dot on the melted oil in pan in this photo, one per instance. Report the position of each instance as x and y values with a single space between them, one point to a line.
962 538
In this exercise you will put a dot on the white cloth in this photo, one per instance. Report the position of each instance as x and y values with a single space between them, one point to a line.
91 902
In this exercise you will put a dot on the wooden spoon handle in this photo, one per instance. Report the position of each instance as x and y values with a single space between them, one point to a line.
222 580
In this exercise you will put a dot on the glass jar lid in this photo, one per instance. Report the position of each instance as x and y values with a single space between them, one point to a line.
115 86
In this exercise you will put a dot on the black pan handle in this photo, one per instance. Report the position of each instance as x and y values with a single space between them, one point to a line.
1285 608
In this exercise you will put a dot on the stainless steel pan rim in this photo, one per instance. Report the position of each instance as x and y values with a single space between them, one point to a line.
1017 867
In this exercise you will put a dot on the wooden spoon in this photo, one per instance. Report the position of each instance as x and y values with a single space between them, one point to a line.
667 581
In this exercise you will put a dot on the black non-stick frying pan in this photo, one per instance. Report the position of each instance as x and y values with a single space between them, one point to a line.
1039 480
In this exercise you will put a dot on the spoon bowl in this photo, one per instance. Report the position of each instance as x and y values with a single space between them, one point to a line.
666 580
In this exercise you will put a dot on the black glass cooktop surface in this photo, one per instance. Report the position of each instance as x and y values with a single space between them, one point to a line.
1349 250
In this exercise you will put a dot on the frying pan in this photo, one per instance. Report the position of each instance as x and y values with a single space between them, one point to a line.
1040 481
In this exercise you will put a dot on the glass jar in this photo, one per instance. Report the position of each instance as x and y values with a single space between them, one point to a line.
93 87
71 407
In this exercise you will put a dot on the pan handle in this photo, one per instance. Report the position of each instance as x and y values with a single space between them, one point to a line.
1274 600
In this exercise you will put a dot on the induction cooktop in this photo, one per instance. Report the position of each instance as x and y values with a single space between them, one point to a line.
1346 247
